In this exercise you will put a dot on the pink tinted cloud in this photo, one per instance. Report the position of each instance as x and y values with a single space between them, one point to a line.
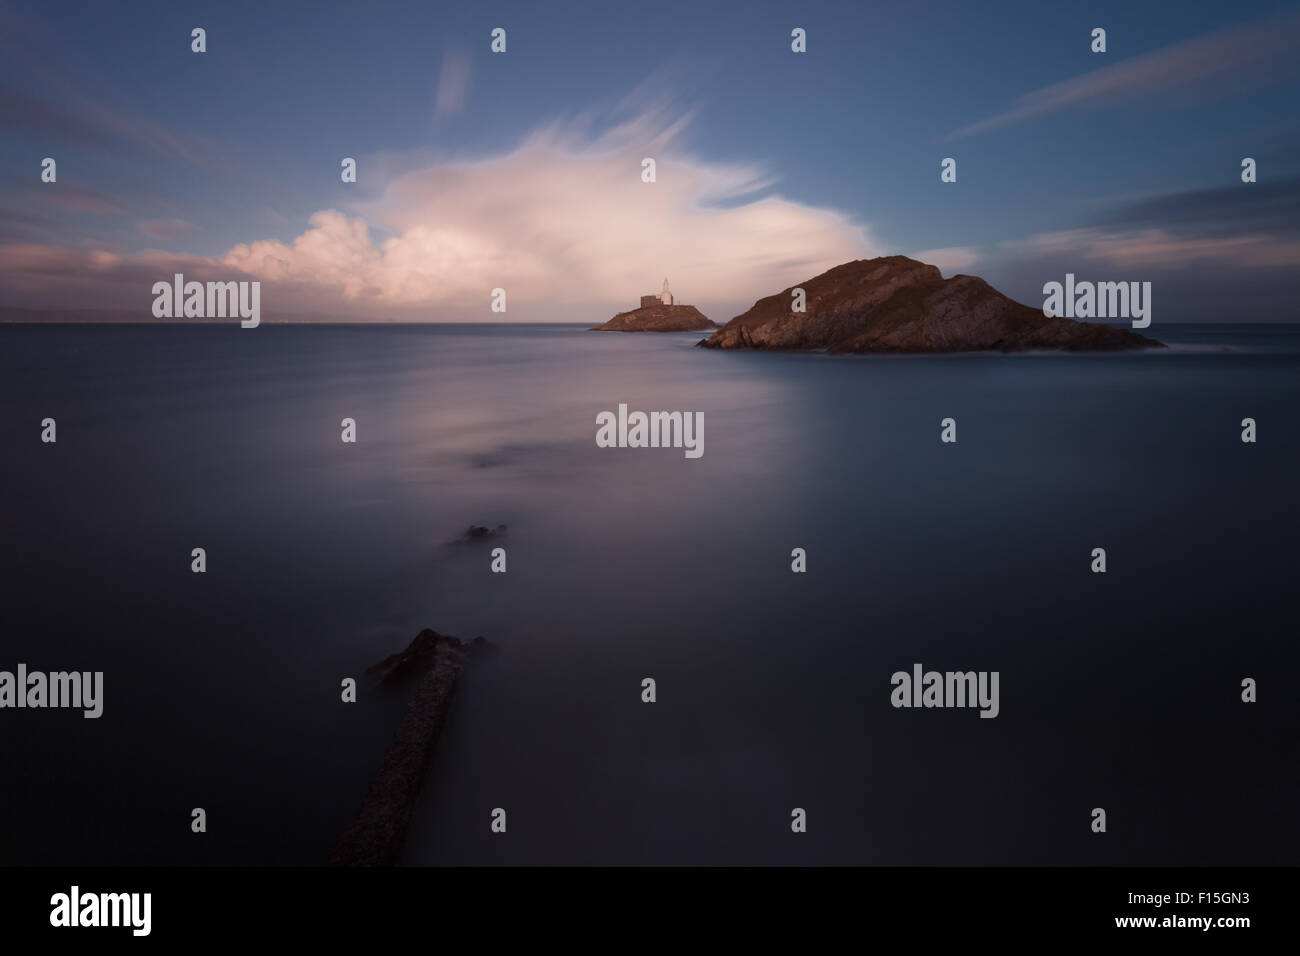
563 222
563 219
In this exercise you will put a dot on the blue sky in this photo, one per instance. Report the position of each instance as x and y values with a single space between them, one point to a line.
1122 165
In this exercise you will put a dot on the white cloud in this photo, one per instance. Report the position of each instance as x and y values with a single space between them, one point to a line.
564 219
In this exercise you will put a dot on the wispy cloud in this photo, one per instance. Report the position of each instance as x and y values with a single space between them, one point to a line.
79 119
64 111
1233 48
1272 207
453 85
1158 248
1243 227
67 197
1125 247
166 228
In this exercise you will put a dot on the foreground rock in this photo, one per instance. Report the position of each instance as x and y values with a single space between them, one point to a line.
374 838
658 318
895 304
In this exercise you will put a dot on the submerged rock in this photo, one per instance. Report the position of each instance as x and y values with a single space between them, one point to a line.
478 532
397 667
374 838
896 304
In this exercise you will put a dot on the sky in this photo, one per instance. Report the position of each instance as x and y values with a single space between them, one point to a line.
522 170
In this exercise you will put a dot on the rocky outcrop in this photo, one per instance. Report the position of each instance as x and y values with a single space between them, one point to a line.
658 318
895 305
374 838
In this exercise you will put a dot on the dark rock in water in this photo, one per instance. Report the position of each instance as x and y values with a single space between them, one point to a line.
397 667
482 647
418 656
658 318
896 304
374 838
479 532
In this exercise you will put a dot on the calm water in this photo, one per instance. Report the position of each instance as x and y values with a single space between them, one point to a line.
222 690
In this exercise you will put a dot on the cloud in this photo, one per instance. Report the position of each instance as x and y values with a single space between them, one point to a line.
1272 207
1159 248
453 86
1252 226
1248 275
565 219
85 121
1246 45
563 222
951 260
47 276
1121 248
66 197
166 228
76 106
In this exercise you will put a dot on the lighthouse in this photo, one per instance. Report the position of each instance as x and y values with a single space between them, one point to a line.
654 301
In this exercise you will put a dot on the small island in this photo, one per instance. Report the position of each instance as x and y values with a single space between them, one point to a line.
894 304
658 314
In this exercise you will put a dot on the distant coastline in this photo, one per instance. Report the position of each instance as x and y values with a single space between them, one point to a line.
24 316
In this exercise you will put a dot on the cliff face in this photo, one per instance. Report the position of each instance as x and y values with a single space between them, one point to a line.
658 318
896 304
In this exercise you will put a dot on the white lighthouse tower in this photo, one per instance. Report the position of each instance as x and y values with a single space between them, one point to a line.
666 297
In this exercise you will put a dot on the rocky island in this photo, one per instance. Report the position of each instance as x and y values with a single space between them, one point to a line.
894 304
657 313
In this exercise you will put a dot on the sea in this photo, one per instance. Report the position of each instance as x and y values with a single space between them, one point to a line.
1119 690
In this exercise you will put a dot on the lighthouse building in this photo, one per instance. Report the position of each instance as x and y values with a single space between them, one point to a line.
663 298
